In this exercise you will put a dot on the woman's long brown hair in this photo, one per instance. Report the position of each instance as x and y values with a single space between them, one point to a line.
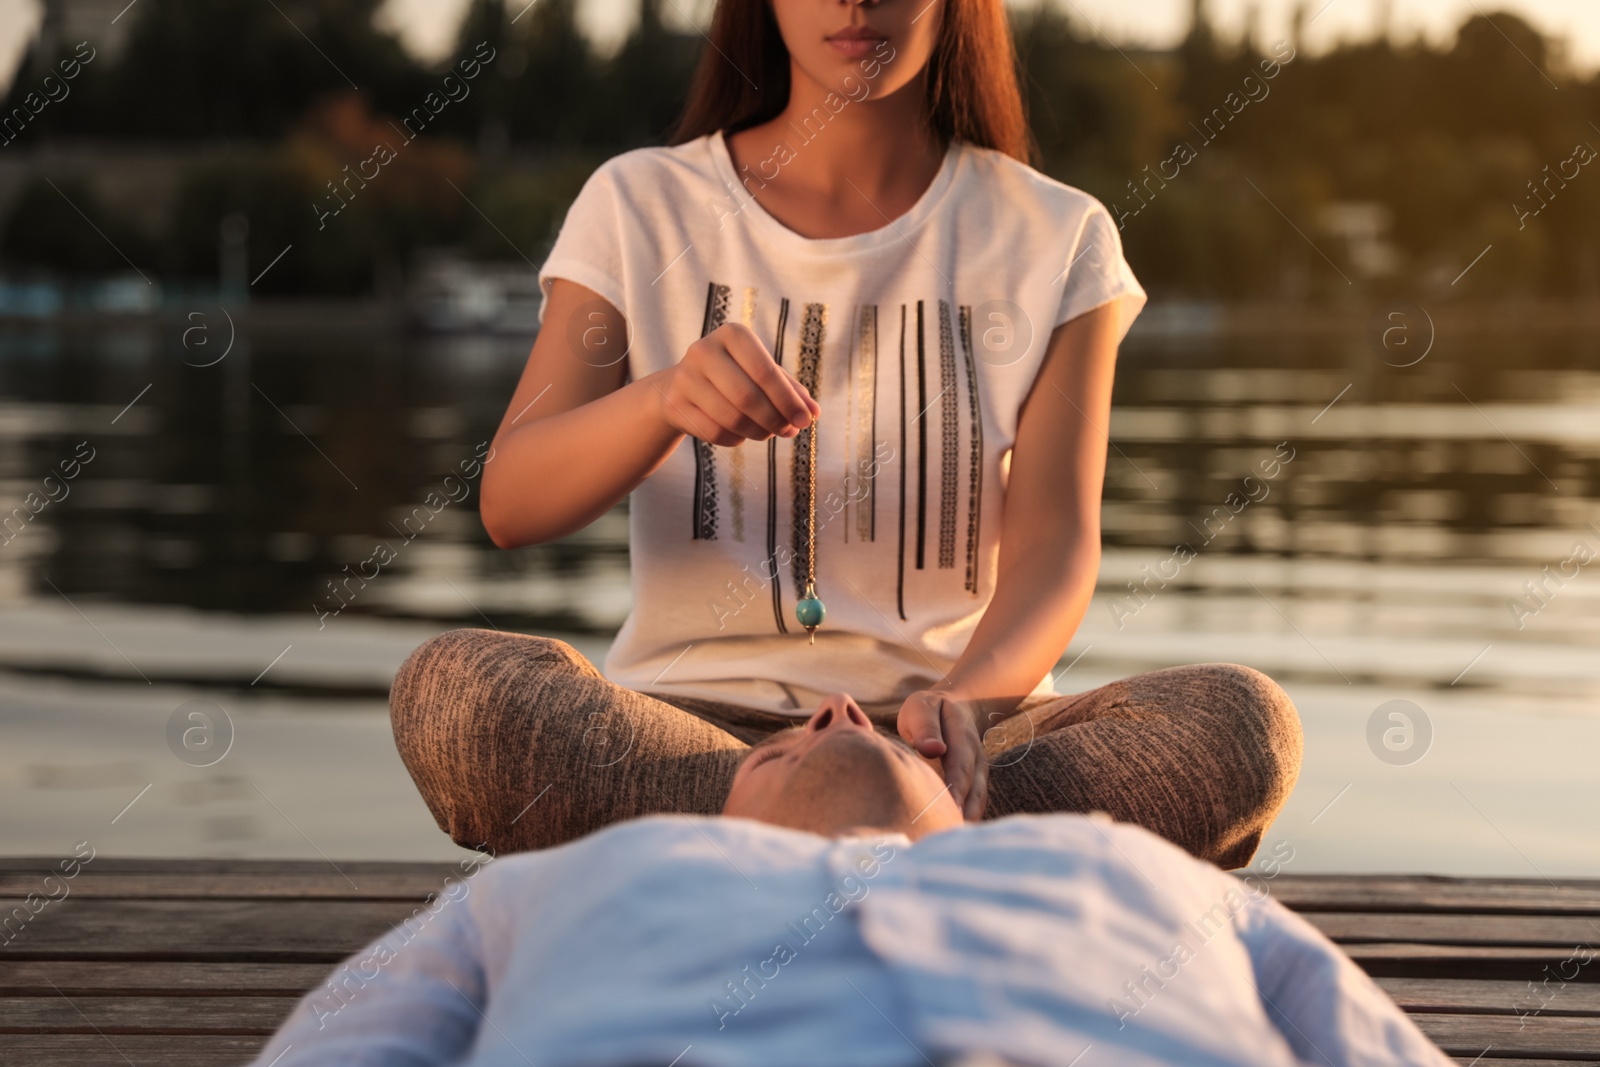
973 96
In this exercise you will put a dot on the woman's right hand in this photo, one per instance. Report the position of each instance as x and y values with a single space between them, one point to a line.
728 389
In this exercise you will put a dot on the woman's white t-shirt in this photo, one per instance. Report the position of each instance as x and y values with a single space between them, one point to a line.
920 341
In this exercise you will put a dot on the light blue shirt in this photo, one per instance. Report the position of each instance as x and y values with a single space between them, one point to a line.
674 940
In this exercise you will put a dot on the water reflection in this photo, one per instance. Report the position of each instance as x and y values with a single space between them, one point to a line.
1371 536
249 484
295 467
291 467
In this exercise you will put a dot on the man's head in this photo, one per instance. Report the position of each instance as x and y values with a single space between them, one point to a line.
835 774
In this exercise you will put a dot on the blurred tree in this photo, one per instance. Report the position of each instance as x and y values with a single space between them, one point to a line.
327 192
554 80
527 210
268 191
235 68
481 116
646 83
542 86
54 227
1092 110
1450 142
376 196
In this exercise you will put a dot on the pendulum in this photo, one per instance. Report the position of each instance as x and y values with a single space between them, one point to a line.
808 609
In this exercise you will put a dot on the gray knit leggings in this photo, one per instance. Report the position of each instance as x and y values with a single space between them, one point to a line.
518 742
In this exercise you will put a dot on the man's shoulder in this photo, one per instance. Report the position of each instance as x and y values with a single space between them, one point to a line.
1066 843
653 840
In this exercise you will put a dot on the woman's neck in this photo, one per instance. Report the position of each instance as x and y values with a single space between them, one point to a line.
831 165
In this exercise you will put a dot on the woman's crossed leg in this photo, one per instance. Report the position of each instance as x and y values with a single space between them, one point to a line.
519 742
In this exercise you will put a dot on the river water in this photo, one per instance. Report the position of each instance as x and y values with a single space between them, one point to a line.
1406 548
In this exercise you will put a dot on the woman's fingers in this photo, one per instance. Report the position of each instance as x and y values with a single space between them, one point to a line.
727 415
959 767
978 795
696 408
779 388
746 396
687 417
964 768
940 727
919 725
740 392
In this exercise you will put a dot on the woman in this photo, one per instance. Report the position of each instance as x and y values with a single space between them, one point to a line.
853 358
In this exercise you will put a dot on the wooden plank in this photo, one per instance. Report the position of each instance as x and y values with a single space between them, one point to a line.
1503 962
1333 888
1468 996
144 1015
264 931
92 1050
1409 893
1386 893
288 931
203 946
327 885
1554 931
143 865
1552 1037
75 978
76 1050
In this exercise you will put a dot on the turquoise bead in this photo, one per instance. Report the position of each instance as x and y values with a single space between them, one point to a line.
809 611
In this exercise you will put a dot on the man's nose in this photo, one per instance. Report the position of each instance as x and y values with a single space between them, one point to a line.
838 712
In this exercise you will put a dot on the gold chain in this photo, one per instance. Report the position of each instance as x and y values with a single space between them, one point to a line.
811 517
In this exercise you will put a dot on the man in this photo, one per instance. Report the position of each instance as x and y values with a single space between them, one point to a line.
866 925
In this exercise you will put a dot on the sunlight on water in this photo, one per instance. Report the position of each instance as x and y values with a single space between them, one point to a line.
1363 533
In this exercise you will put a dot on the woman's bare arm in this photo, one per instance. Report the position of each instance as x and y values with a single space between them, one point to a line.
1049 557
575 439
1050 551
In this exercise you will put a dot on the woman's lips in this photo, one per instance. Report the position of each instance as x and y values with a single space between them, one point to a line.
855 45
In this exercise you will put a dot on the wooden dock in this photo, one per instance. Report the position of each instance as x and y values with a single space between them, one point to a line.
193 963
